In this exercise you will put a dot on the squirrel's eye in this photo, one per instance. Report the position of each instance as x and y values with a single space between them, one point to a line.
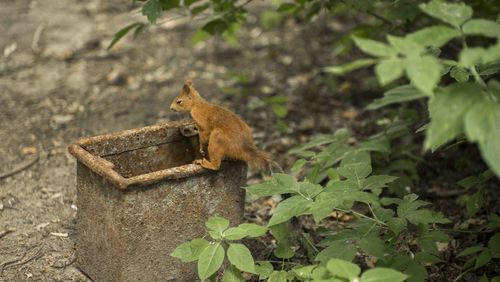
179 101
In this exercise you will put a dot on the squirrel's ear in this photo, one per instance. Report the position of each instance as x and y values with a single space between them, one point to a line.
187 86
186 89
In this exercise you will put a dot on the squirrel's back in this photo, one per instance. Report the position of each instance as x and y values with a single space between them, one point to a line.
209 116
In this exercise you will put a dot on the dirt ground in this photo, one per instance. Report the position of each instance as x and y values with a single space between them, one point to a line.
58 83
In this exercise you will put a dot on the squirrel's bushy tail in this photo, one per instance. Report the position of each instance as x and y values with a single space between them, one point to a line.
262 161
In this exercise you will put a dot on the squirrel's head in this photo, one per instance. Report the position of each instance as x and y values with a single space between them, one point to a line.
186 98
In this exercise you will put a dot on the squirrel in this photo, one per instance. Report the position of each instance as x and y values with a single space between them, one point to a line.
221 131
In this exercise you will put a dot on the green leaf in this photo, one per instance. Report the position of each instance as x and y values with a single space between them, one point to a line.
278 276
190 251
264 269
342 268
304 272
380 274
298 165
492 54
210 260
234 233
447 110
459 74
374 48
416 271
470 251
423 216
280 184
405 45
279 110
424 257
199 36
309 190
349 67
232 274
152 10
244 230
372 245
389 70
253 230
397 95
293 206
482 27
481 126
216 26
377 181
217 224
240 256
355 166
470 56
281 234
337 249
122 32
199 9
494 245
424 72
380 144
169 4
483 259
287 7
188 3
409 204
324 204
434 36
474 203
397 224
453 13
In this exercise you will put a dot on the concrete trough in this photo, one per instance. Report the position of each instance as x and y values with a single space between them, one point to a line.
139 196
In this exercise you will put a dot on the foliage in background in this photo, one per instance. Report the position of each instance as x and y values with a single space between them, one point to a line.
466 103
447 53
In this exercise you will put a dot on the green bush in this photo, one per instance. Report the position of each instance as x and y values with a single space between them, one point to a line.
446 53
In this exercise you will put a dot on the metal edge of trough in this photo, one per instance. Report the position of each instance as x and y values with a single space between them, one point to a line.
105 168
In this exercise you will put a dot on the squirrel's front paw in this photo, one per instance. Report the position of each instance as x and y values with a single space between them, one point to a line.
202 152
198 162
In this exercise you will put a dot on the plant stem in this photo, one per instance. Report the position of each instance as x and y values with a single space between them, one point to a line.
463 231
361 215
475 74
460 275
371 210
369 230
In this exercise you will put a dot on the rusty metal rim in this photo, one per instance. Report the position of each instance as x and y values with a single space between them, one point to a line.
105 168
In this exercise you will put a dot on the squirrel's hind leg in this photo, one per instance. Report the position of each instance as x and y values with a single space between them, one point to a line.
215 151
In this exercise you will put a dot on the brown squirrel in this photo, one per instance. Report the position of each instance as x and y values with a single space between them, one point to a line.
222 131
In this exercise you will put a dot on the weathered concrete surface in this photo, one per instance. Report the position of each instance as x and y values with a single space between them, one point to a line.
128 234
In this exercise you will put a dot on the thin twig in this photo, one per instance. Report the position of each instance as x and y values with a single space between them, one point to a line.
36 37
21 260
20 167
7 231
462 231
386 21
461 274
373 14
